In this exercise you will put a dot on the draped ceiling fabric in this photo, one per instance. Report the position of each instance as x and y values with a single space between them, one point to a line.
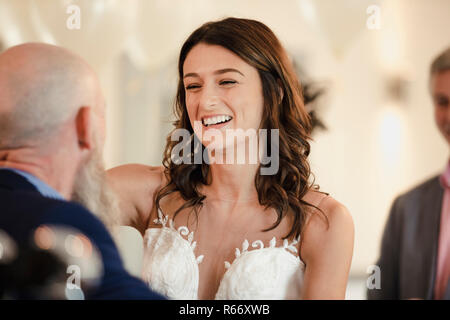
151 31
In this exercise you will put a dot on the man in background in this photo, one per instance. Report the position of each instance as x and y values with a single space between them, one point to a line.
52 132
415 250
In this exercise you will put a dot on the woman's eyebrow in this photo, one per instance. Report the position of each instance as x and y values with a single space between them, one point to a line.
221 71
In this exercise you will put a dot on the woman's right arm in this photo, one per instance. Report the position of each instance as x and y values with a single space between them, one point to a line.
135 186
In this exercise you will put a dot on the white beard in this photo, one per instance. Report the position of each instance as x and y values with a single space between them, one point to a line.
92 191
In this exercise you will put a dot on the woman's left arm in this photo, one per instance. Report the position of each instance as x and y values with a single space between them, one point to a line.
327 252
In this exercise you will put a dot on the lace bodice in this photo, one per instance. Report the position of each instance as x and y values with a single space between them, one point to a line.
171 267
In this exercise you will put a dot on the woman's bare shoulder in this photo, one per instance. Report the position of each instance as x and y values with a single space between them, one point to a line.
136 185
137 176
332 225
327 249
137 182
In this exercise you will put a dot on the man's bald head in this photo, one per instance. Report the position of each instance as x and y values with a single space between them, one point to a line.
41 87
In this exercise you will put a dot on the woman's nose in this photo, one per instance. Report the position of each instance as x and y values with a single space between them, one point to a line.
209 97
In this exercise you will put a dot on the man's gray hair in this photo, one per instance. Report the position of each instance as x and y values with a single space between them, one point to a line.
441 62
40 90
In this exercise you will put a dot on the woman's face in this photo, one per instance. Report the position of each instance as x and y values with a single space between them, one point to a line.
222 91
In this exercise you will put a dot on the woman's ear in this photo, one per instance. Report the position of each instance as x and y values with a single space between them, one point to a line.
83 121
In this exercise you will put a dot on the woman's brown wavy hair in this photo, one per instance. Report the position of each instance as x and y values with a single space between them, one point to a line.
258 46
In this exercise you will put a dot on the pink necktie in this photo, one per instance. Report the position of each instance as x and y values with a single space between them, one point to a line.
443 262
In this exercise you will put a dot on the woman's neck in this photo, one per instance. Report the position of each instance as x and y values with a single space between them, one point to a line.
232 182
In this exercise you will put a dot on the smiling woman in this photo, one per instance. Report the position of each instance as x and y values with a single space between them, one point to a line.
246 75
235 75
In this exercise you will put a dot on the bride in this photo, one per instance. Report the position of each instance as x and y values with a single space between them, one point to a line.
237 229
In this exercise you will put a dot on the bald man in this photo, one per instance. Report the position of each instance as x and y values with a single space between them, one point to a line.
52 132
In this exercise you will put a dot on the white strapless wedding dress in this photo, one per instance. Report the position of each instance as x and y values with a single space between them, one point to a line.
171 267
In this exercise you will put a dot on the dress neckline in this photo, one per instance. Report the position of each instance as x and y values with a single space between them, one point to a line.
167 224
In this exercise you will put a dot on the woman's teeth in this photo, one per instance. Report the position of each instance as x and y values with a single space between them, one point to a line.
216 120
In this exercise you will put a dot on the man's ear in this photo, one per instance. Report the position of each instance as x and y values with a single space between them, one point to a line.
83 122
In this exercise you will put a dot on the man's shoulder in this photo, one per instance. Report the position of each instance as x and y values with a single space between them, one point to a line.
24 211
417 192
34 204
418 197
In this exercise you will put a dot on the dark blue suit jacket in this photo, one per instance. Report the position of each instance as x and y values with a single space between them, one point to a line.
23 209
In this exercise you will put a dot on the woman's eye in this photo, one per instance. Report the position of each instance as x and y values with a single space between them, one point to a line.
227 82
192 86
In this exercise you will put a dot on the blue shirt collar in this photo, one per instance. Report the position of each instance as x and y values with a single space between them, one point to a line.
41 186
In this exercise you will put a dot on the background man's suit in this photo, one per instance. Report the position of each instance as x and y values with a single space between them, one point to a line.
410 243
